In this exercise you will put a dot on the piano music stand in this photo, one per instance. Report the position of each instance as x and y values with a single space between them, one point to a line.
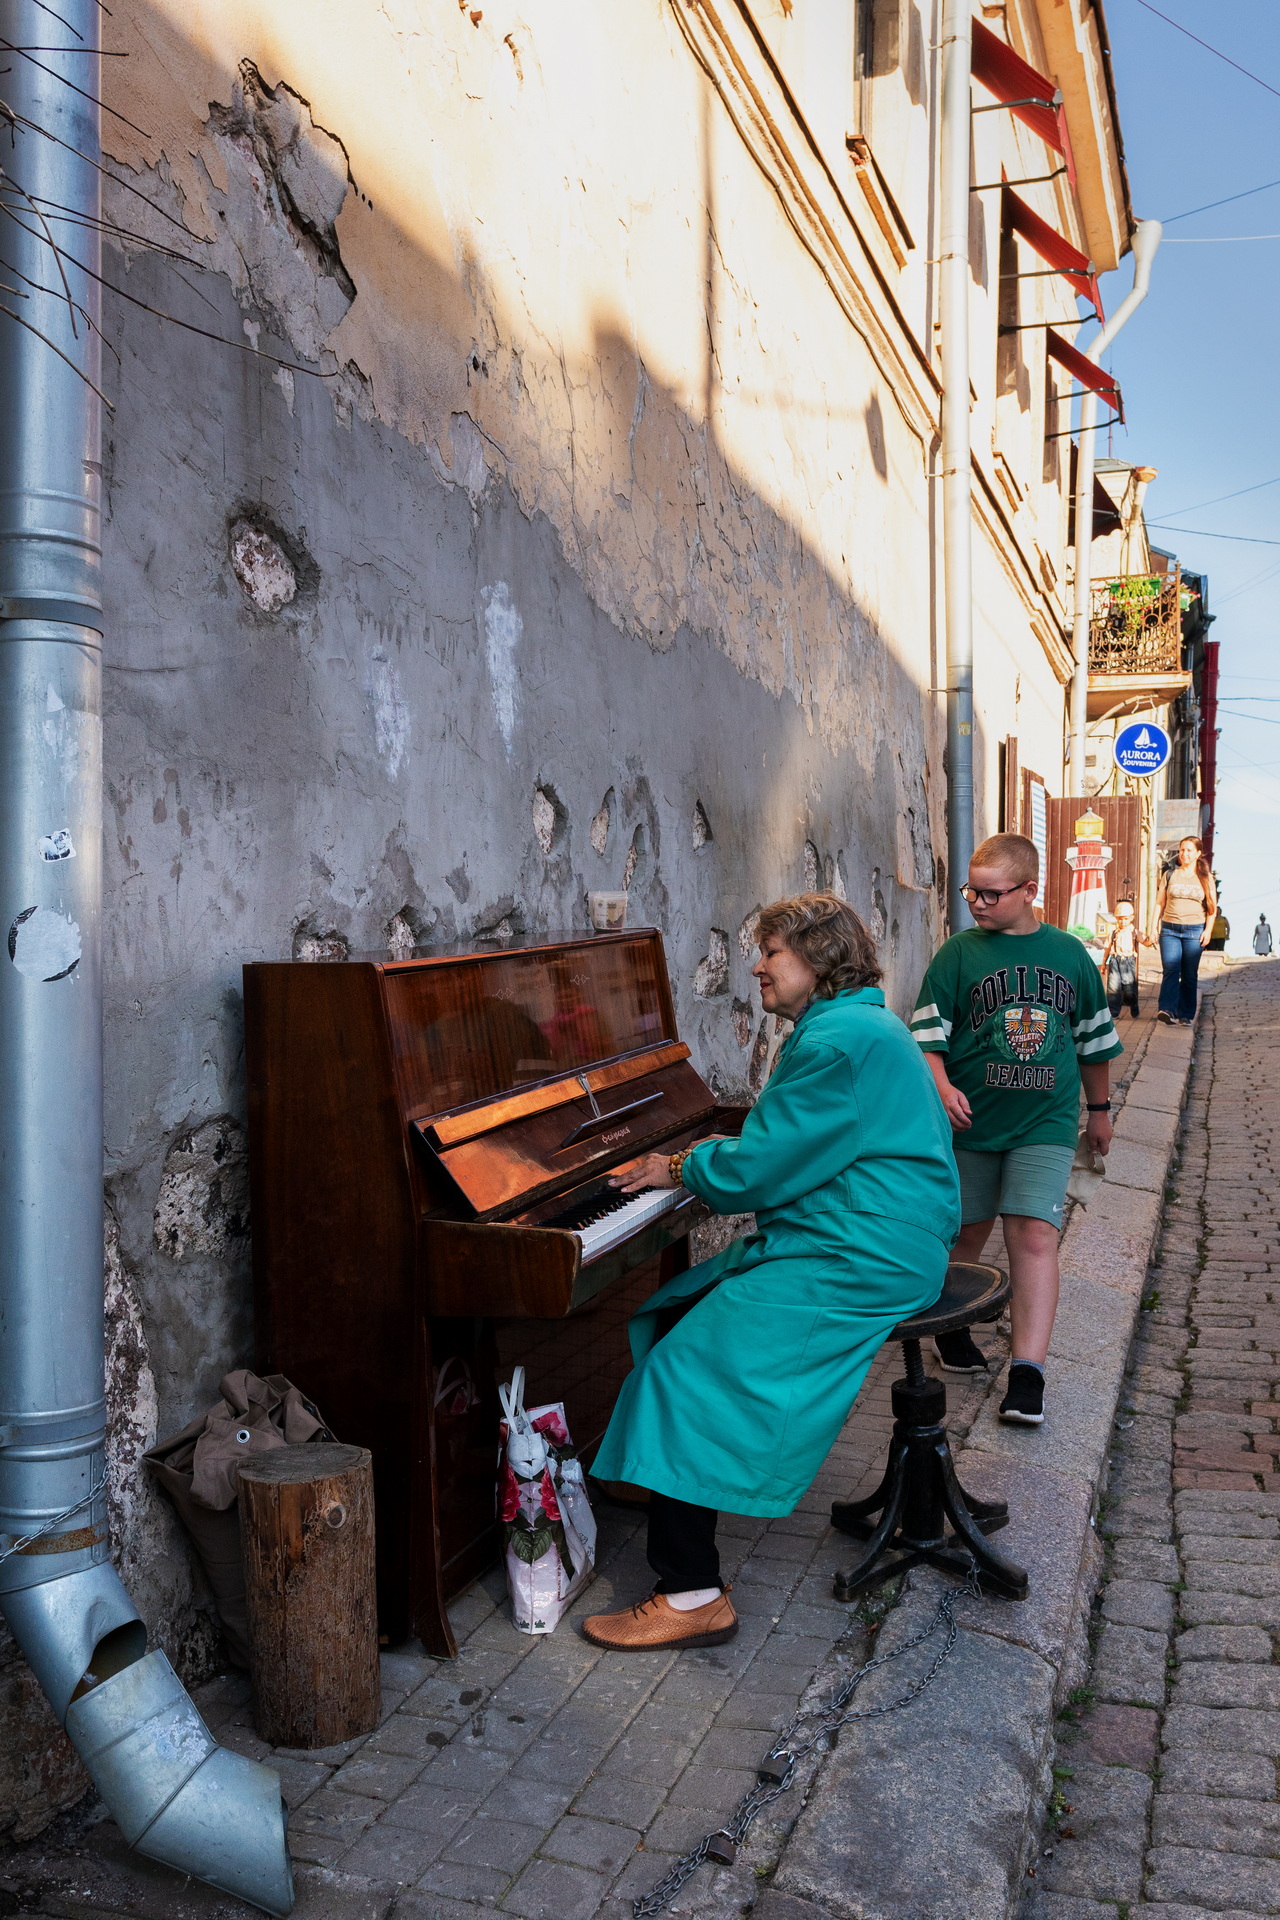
920 1491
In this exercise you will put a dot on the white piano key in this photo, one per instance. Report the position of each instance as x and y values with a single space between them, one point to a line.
624 1221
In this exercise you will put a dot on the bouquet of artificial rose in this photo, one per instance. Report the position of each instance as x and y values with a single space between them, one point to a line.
549 1530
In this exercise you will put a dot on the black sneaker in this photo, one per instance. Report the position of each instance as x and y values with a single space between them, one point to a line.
1165 1019
1023 1403
959 1352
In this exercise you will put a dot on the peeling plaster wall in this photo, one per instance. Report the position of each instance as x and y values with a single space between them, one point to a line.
600 557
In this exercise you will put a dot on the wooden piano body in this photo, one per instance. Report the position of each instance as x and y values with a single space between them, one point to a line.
418 1132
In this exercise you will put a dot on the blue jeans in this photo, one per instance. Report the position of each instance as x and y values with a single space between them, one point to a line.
1180 956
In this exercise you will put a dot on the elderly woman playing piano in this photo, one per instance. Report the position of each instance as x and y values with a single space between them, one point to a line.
846 1162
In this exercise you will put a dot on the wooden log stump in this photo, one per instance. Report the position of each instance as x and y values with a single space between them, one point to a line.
306 1524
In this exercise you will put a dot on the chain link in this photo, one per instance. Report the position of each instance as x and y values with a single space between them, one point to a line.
808 1727
28 1539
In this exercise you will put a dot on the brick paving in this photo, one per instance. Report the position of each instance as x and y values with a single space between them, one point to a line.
1165 1788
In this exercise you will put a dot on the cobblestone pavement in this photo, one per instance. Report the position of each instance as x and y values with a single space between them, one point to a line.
1165 1785
544 1776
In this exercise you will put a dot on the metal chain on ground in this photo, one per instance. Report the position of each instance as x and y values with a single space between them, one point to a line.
28 1539
807 1728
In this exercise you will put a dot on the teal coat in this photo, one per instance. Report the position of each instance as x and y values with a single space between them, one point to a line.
846 1162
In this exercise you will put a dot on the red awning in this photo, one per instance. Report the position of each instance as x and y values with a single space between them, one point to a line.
1004 73
1052 246
1085 371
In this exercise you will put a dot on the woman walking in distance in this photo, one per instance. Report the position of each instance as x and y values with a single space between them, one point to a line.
1187 905
846 1162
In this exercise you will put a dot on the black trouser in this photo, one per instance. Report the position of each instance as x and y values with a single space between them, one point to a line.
1122 983
682 1544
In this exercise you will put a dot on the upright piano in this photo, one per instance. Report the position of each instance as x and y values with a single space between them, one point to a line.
429 1146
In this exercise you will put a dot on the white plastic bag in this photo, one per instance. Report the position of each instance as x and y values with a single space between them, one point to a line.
1088 1171
549 1530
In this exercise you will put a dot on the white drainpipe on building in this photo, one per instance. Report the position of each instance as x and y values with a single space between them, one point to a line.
1146 238
957 511
174 1793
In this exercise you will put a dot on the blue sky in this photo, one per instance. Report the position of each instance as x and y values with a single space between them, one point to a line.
1197 366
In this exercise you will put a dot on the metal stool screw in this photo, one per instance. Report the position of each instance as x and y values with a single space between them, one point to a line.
919 1492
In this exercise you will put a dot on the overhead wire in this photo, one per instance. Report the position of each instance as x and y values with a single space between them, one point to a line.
1199 505
33 126
239 346
1216 51
1209 205
1200 533
45 8
7 46
1246 586
100 225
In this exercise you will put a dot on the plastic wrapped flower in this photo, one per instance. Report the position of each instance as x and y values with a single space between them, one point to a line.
551 1425
550 1505
508 1495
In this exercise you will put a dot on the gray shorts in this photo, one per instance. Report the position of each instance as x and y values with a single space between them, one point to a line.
1026 1180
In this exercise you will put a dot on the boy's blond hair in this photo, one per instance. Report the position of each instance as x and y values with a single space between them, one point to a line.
1012 851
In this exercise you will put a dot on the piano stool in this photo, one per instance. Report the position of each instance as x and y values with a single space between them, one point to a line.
919 1492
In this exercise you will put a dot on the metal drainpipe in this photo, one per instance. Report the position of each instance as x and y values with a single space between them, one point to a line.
1146 239
1209 743
957 506
174 1793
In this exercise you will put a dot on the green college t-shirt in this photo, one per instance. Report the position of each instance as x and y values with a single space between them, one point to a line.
1014 1013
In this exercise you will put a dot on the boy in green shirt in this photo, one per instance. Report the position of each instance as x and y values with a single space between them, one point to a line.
1013 1018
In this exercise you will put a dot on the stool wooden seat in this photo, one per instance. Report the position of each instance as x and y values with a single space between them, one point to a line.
920 1492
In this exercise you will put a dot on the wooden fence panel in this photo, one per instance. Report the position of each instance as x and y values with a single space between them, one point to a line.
1122 831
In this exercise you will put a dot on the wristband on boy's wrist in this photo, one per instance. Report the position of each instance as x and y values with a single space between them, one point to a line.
1097 1106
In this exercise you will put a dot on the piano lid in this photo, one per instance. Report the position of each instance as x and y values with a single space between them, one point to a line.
471 1024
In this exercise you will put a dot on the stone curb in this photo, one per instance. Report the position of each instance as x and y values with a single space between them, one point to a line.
929 1814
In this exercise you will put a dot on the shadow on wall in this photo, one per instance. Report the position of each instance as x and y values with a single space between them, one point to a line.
360 697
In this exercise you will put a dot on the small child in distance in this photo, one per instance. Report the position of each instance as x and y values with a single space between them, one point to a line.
1120 960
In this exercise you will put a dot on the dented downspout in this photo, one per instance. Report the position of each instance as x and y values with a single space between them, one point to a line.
175 1794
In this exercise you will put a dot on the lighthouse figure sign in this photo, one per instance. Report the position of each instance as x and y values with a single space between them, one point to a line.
1088 860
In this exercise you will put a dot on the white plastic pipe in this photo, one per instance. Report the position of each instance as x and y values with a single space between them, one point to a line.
1146 239
957 516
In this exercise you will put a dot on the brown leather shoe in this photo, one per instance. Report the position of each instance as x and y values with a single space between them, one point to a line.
656 1623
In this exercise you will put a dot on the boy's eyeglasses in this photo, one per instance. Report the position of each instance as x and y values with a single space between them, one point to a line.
988 895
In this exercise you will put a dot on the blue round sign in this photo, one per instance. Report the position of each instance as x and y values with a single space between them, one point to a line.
1142 748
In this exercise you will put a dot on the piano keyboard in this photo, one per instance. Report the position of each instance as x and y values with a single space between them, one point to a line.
608 1216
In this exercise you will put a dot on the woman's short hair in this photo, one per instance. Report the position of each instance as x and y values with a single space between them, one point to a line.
829 937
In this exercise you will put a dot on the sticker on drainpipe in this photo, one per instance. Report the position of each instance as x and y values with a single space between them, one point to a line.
43 944
56 845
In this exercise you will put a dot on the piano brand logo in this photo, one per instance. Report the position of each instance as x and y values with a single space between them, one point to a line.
610 1139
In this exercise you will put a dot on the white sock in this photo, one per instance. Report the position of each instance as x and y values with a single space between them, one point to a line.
694 1597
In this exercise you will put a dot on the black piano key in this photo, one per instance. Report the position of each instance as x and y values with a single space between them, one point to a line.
596 1206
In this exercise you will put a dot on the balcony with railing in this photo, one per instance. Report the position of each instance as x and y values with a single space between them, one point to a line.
1135 643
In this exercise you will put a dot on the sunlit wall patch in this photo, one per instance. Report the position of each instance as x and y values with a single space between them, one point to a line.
44 945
